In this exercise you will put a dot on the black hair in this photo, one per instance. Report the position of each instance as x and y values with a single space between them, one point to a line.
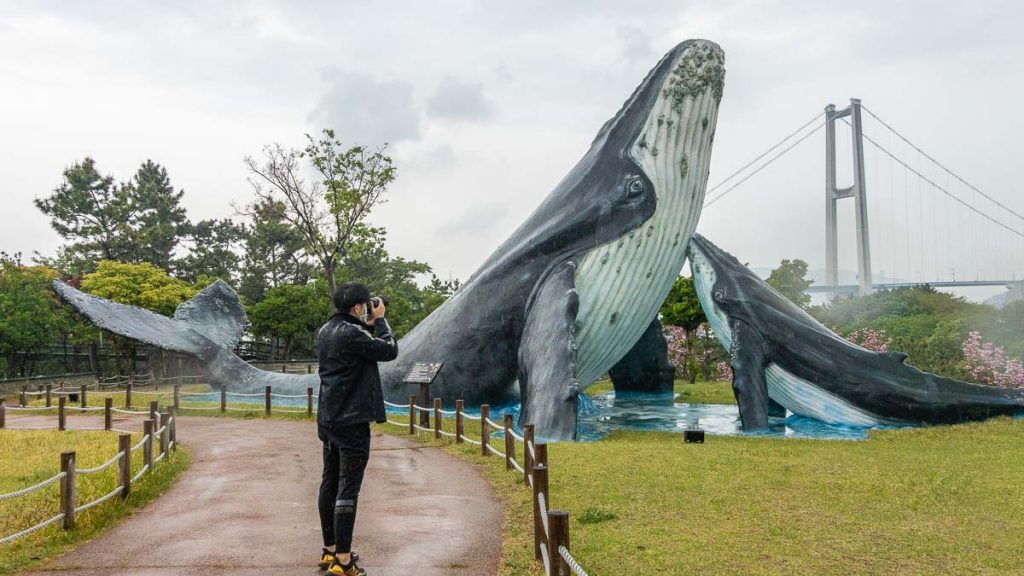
348 295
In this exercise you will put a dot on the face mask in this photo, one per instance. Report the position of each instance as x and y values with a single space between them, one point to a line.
365 314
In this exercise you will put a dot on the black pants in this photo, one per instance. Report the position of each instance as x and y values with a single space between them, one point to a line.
346 451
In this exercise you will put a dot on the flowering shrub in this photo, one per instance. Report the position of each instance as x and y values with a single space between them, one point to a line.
723 371
677 346
874 340
986 363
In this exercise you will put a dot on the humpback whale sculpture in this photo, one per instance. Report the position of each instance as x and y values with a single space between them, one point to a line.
558 303
783 358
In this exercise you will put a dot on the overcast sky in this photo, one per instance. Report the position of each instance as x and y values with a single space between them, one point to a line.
486 105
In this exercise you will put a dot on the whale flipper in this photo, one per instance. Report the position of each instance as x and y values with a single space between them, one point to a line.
214 316
547 356
748 379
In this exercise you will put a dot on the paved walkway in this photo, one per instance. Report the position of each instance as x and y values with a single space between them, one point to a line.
247 505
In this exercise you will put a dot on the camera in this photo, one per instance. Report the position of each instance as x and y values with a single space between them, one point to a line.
376 300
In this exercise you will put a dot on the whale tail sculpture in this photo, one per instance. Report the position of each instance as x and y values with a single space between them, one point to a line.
206 327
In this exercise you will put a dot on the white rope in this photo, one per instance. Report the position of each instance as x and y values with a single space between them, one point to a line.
573 564
533 450
84 428
160 457
136 412
516 436
245 395
448 434
160 430
183 393
544 556
517 466
41 427
422 409
86 408
448 412
471 441
185 407
121 431
290 411
424 429
495 451
31 409
171 444
31 489
153 392
100 500
288 395
140 444
386 403
390 421
542 504
141 472
470 416
28 531
253 409
40 393
530 478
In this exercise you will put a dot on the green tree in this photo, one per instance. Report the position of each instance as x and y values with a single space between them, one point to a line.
142 285
331 213
158 221
91 213
682 307
212 251
29 313
274 251
790 279
289 317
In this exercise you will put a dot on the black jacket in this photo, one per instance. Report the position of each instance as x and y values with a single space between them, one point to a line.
350 391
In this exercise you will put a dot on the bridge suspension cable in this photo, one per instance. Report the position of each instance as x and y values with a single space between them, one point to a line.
937 186
782 153
940 165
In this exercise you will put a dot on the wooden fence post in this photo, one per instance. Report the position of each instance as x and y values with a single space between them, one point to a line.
154 407
527 456
49 395
542 453
223 399
437 418
124 472
309 368
485 433
177 396
558 524
108 413
412 414
181 373
3 413
459 431
510 443
284 369
148 427
165 436
62 419
128 392
540 486
309 400
24 396
266 400
425 398
67 488
82 393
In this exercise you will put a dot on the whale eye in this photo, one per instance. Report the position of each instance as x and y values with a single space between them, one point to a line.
634 188
718 295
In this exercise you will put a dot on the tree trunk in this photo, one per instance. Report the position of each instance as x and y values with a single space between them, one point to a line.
329 268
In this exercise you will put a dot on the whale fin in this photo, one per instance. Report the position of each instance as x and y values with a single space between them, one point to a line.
748 380
547 357
187 334
216 312
898 357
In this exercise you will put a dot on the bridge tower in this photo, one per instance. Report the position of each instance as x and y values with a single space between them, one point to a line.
857 191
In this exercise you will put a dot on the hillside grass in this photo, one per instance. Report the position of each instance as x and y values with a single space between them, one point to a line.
29 457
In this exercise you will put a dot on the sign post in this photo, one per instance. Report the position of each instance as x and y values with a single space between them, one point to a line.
423 373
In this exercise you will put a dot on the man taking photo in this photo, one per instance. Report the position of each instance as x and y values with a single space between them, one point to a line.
350 398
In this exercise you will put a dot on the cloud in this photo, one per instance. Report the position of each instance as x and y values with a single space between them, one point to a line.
367 111
474 221
636 44
459 101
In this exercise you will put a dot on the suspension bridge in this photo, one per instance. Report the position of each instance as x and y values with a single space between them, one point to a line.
925 222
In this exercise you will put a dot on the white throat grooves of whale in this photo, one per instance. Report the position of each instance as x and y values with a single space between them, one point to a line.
622 284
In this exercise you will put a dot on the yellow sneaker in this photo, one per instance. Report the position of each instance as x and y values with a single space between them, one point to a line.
327 558
352 569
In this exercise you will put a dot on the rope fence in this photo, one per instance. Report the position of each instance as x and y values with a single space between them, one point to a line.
69 474
551 527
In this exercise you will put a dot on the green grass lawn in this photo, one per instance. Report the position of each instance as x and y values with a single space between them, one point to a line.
935 500
699 393
28 457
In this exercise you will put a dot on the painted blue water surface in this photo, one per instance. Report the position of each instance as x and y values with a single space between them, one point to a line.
605 413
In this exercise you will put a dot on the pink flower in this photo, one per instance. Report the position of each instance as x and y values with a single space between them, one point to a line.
987 363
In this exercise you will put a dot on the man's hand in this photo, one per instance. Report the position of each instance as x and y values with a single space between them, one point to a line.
377 312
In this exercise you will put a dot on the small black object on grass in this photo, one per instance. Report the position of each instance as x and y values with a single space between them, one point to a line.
693 436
